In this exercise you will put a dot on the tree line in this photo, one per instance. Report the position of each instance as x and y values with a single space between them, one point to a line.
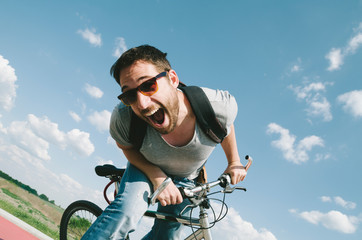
25 187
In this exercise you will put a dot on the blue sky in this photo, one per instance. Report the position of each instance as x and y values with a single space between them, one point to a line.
294 68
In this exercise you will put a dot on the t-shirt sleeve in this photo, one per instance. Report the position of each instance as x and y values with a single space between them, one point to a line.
120 124
224 105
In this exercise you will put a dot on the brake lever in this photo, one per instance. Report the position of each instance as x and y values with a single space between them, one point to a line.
229 189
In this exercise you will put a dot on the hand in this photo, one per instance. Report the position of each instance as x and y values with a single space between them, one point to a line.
236 171
170 195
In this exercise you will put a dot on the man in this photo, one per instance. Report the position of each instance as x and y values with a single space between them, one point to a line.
173 146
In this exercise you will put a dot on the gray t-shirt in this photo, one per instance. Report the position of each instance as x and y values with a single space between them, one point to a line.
184 161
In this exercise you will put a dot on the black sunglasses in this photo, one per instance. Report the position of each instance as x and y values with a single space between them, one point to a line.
147 88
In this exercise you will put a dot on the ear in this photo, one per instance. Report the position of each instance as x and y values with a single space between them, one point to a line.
173 78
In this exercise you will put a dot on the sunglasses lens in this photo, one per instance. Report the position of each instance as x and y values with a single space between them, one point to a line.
128 97
148 87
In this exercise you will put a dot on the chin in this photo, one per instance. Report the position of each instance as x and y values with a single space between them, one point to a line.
165 130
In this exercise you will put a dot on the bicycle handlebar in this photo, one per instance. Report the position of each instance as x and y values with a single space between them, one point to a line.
224 181
250 160
190 192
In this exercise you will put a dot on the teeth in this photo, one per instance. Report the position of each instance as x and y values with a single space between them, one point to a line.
151 113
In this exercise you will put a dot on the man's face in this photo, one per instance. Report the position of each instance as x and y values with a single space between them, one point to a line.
161 109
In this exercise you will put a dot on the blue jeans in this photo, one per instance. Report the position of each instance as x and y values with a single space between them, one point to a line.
125 212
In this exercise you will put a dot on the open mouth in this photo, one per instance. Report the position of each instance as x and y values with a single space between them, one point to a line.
158 117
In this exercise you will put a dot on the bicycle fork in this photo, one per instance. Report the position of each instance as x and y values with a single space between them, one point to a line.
203 232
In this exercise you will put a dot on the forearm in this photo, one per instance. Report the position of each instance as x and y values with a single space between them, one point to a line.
171 194
230 147
153 172
235 169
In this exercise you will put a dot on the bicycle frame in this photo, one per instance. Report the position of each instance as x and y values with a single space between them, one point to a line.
203 224
79 215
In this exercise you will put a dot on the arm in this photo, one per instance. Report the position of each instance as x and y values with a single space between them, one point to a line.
235 168
170 195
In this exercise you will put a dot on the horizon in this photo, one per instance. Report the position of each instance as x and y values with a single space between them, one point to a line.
293 67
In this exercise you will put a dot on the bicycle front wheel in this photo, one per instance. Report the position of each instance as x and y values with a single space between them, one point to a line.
77 218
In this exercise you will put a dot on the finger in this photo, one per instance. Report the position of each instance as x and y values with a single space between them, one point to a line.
173 200
234 180
243 175
176 198
163 203
179 199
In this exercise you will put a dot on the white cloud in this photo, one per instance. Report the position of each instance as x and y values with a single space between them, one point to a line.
292 151
2 129
69 184
101 161
296 66
100 120
30 169
93 91
333 220
80 142
35 134
345 204
91 36
233 227
340 201
326 199
75 116
13 153
352 102
312 94
320 157
111 141
336 55
47 130
320 107
24 137
7 84
335 58
120 47
354 44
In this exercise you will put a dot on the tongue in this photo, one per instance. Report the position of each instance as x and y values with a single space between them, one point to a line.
158 117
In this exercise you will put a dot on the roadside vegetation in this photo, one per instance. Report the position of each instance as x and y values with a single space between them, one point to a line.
24 203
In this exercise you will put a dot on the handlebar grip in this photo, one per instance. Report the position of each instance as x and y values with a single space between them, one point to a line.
225 179
250 160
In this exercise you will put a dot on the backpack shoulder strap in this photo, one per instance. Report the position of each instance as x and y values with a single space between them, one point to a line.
202 109
204 113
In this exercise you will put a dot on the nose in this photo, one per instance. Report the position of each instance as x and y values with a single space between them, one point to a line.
143 101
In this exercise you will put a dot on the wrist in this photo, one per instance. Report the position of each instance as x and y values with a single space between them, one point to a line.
157 181
235 162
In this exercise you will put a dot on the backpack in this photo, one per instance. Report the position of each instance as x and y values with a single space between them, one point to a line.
202 109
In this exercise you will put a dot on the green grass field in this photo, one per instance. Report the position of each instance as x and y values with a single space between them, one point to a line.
38 213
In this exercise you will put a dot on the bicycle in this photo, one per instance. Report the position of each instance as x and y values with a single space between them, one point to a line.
80 215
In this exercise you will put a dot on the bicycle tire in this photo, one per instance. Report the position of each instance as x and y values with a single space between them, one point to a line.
77 218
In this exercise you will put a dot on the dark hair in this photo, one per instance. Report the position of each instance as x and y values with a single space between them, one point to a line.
145 53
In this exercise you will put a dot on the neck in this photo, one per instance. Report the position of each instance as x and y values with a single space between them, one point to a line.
185 127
